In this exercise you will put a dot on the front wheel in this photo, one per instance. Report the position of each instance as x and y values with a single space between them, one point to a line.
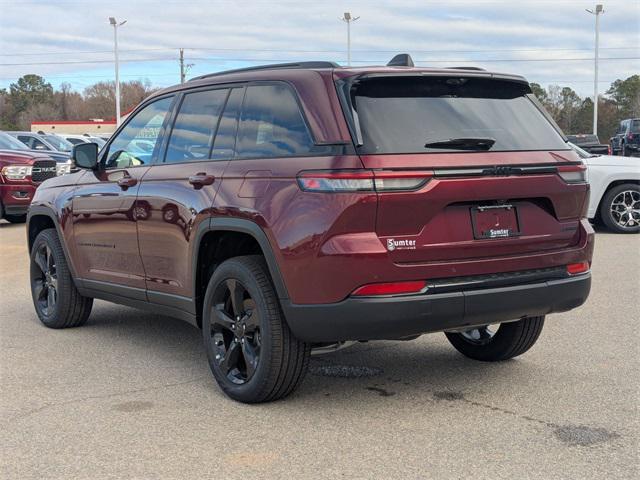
503 342
55 297
252 354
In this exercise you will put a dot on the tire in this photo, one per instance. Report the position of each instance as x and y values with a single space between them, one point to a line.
510 340
623 151
255 359
615 199
16 218
64 307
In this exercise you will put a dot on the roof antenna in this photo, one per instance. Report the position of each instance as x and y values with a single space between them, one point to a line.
401 60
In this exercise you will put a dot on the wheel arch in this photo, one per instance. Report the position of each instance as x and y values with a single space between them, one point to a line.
40 218
222 238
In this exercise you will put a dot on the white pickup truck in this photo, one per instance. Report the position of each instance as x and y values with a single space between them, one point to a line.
615 190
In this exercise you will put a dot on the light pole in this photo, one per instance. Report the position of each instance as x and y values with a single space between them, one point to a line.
115 26
599 9
348 19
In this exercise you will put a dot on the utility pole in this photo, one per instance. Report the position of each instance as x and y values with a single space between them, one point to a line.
182 72
184 68
598 10
115 26
348 19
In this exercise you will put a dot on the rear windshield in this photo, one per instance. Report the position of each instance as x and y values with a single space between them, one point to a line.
404 114
582 139
635 126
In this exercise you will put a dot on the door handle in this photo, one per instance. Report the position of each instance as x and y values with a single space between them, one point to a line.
201 179
126 182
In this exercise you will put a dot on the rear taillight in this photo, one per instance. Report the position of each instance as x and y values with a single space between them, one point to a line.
609 150
577 268
630 136
393 288
362 180
573 173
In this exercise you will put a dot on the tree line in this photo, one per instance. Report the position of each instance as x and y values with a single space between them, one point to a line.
32 98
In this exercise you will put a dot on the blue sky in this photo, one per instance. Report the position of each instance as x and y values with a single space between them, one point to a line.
550 42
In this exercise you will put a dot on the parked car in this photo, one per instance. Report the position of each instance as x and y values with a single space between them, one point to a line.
20 174
44 143
626 141
296 206
615 191
85 138
590 143
63 160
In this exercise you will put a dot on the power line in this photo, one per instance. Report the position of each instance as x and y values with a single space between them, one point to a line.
451 61
208 49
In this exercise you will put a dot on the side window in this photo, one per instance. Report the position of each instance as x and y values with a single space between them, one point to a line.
75 141
271 124
32 142
192 134
225 142
135 143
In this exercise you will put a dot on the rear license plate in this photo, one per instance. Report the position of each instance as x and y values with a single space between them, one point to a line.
494 221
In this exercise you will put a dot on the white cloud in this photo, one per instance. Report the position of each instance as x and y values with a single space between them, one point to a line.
248 32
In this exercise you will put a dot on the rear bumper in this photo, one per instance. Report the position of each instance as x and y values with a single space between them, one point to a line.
397 317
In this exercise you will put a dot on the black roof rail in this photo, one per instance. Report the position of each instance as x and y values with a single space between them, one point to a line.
296 65
468 68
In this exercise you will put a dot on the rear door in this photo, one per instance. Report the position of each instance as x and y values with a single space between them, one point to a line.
467 167
178 192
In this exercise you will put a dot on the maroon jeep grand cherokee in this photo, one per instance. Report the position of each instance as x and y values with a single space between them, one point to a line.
289 207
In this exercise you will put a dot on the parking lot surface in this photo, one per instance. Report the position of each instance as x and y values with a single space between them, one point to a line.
130 395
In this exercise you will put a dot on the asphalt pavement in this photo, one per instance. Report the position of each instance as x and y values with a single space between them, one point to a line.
130 395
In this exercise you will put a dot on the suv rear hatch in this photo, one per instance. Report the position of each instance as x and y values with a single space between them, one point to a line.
466 166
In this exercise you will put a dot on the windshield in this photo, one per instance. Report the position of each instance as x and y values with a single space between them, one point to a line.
58 143
635 126
7 142
413 114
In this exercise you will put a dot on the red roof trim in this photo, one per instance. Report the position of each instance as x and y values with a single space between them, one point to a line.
74 122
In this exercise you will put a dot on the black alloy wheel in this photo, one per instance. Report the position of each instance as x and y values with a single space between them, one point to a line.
45 280
235 331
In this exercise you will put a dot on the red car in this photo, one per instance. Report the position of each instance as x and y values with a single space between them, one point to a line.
295 206
20 175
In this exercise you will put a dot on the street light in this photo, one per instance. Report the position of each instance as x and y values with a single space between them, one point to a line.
114 23
348 19
599 10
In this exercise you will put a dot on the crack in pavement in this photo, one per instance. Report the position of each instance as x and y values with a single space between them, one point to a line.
28 413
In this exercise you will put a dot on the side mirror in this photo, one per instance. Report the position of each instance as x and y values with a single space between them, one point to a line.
85 155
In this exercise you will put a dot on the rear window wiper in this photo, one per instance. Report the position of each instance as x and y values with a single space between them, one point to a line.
470 143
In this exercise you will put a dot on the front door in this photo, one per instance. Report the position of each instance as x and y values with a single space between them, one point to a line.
180 190
104 204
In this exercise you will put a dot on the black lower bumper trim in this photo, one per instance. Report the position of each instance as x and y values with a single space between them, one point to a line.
397 317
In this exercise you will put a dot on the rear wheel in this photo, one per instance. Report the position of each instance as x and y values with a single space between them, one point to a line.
620 208
55 297
252 354
495 343
623 151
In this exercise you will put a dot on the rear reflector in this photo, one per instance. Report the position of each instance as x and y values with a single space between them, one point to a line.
362 180
577 268
395 288
573 173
